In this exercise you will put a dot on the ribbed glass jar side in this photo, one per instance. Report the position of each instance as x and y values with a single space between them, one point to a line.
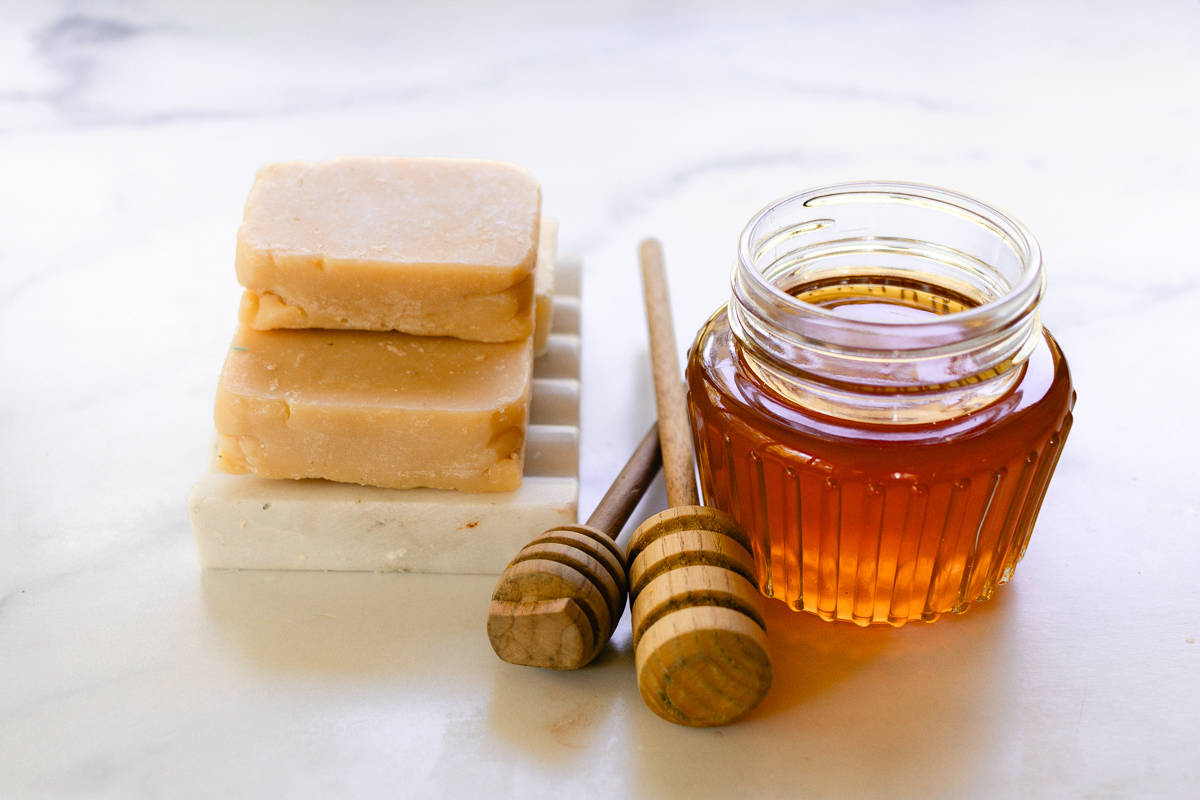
871 528
888 445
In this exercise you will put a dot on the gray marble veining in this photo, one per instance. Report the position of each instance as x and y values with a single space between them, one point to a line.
129 135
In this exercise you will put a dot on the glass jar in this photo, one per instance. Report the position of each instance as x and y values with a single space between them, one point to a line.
878 405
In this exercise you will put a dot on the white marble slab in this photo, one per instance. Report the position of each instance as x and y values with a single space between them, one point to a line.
130 132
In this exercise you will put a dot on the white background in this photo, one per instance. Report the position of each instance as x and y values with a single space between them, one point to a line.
129 136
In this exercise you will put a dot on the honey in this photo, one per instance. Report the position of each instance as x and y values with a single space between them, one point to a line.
881 411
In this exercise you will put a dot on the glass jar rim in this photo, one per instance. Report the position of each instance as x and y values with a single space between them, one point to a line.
1015 303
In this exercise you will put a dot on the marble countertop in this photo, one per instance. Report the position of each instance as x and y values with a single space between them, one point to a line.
129 136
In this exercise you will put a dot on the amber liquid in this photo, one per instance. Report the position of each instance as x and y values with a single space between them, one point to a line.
876 523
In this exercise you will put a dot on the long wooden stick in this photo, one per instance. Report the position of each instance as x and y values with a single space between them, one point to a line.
669 396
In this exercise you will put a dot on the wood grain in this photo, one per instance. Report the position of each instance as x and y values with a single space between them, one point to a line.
669 396
554 633
699 638
588 563
690 586
703 665
544 610
598 547
704 518
685 548
529 624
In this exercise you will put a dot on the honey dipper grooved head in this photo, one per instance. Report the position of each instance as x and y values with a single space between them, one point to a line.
698 631
559 600
681 518
684 548
703 666
691 586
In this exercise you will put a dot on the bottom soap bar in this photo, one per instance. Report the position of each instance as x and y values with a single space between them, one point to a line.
248 522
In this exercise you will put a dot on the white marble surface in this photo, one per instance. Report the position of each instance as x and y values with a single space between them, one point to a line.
129 135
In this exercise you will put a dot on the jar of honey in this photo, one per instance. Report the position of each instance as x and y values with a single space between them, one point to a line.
878 405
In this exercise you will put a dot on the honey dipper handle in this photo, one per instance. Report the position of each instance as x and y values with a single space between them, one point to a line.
627 489
668 385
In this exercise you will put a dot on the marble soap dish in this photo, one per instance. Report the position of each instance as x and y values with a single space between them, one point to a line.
247 522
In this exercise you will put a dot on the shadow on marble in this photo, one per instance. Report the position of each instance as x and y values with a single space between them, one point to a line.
349 623
848 704
811 656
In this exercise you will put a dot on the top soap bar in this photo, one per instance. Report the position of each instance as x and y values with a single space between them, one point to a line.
429 246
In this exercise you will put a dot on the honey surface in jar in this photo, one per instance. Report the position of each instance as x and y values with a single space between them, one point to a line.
872 522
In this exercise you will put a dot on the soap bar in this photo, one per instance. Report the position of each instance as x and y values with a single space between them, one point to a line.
429 246
247 522
380 409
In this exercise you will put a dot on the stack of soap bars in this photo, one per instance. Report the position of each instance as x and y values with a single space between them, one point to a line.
393 309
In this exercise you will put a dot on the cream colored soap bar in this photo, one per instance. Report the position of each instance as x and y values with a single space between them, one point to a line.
436 247
379 409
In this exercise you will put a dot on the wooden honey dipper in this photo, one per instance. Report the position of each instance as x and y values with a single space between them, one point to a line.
560 598
698 631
